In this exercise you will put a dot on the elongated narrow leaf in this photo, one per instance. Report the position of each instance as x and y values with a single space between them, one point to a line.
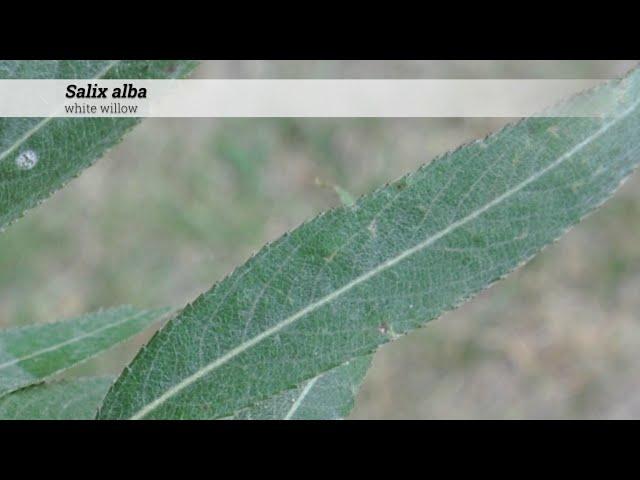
329 396
40 155
354 278
30 354
66 400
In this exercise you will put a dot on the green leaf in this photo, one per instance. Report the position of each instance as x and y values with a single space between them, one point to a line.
33 353
58 149
356 277
329 396
66 400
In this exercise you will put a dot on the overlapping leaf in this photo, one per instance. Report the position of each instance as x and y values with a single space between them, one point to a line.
33 353
329 396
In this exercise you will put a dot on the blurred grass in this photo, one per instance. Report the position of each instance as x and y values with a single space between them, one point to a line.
180 203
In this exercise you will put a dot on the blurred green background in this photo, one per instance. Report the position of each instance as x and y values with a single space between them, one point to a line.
181 202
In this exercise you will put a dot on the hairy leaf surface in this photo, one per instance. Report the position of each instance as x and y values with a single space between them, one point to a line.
33 353
65 400
329 396
40 155
356 277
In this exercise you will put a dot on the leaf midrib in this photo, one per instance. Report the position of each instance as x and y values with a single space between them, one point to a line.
148 408
38 126
298 402
71 341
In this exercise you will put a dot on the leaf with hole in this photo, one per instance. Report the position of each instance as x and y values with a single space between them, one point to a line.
40 155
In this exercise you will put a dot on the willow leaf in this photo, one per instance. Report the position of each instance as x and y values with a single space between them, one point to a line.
329 396
76 399
356 277
33 353
40 155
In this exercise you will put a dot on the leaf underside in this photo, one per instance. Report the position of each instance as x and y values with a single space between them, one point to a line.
33 353
76 399
329 396
356 277
63 147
